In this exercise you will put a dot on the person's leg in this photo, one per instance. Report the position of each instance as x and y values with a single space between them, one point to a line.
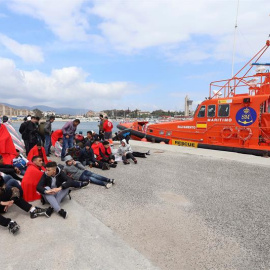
10 182
51 199
61 195
47 144
70 142
100 177
139 154
129 155
64 148
4 221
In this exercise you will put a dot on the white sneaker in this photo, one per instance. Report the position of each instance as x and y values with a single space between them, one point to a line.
108 185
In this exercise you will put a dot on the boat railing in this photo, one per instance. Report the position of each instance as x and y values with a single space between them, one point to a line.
250 85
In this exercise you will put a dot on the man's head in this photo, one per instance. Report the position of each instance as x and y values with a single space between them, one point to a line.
89 135
5 118
76 122
101 116
60 140
51 168
69 160
52 118
96 141
37 118
88 145
37 160
33 119
106 117
39 145
106 144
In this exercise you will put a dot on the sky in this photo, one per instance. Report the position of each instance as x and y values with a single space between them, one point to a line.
119 54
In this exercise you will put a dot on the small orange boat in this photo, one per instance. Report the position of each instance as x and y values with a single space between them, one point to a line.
235 117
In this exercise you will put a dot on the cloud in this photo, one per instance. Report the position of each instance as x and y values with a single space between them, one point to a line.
66 87
28 53
66 20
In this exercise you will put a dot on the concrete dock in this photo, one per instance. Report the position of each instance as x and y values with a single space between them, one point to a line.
178 209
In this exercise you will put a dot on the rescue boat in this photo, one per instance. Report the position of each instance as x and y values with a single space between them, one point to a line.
235 117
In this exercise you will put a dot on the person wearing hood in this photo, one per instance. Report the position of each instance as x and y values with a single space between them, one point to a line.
38 150
54 186
125 152
77 172
31 178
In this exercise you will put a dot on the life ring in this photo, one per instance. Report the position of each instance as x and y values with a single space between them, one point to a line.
225 134
246 130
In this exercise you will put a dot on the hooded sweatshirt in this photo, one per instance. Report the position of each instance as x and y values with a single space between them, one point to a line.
124 149
74 171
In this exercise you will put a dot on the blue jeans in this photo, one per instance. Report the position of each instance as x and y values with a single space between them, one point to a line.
10 182
67 143
48 144
94 178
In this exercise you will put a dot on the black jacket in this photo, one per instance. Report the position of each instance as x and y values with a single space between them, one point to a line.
87 155
62 180
10 170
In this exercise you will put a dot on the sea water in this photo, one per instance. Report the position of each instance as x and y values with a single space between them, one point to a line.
83 126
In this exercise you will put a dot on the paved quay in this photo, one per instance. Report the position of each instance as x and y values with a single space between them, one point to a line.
180 208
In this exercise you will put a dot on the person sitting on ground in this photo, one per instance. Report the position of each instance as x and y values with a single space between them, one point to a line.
38 150
11 182
10 196
89 138
125 152
103 153
54 186
9 169
124 134
20 162
58 147
87 157
31 178
77 172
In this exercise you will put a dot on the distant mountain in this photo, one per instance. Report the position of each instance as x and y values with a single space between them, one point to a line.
47 108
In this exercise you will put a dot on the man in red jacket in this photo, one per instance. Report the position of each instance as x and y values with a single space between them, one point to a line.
107 127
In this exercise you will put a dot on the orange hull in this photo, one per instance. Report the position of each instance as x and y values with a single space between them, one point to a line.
227 120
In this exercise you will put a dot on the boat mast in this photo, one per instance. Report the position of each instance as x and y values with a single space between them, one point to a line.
234 41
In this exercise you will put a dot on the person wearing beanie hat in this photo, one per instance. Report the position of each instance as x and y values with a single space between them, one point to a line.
77 172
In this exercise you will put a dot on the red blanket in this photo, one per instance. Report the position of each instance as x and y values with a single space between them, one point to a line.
7 148
56 135
30 181
34 152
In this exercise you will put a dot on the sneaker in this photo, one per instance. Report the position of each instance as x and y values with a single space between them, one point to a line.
113 165
49 212
63 213
148 152
38 212
135 161
84 184
115 162
105 166
126 162
108 185
112 181
13 227
62 159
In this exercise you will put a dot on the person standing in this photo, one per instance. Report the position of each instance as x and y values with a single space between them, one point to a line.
68 130
47 133
107 127
100 127
31 133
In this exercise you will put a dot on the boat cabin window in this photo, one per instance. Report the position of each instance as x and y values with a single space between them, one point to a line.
211 111
201 112
224 110
161 132
168 133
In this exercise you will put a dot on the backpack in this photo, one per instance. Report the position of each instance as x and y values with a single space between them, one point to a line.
19 163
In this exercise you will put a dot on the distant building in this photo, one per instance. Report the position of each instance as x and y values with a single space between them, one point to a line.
11 112
48 113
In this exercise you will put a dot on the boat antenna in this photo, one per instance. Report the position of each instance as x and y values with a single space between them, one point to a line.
234 41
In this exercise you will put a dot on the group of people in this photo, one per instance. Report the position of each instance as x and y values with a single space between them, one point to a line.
37 177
